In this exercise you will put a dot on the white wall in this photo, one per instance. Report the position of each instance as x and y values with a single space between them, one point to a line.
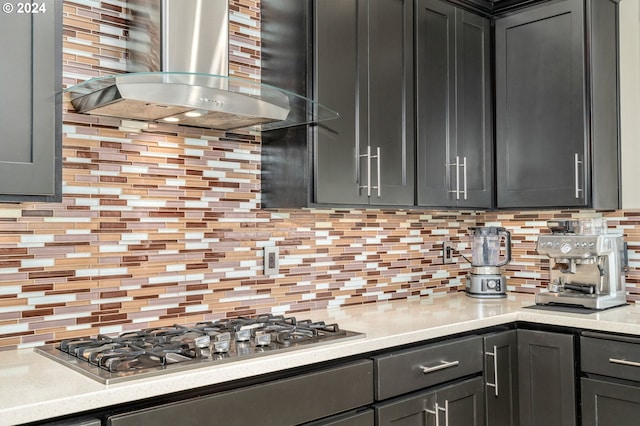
630 101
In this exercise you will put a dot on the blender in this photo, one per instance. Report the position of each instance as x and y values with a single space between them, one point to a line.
490 249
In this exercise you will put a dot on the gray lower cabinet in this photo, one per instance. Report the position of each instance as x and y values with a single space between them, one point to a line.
546 377
609 404
611 388
289 401
501 378
557 133
407 370
453 107
416 385
31 111
460 403
364 70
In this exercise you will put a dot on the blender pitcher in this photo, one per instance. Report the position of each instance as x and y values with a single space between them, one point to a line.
485 246
490 249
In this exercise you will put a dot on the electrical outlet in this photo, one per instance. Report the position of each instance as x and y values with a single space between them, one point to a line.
447 252
271 260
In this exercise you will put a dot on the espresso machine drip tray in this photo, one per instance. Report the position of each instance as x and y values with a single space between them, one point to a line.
569 309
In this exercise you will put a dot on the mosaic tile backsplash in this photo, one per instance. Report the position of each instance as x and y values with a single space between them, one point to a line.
166 227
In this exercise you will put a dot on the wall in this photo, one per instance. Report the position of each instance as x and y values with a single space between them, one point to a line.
630 100
166 227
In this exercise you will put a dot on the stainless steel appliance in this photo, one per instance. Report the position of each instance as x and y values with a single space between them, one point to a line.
154 351
586 266
179 73
491 249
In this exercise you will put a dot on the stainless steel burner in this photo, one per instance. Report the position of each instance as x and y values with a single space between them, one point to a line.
158 350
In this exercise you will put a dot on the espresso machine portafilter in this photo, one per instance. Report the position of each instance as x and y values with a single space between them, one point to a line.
586 266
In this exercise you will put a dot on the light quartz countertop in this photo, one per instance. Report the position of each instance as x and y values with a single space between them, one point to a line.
33 387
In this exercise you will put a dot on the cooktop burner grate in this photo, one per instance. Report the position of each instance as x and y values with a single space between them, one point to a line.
158 350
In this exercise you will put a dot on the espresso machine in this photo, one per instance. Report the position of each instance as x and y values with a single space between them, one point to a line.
490 249
586 267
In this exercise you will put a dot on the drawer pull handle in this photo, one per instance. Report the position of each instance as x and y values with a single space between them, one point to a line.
445 364
624 362
494 354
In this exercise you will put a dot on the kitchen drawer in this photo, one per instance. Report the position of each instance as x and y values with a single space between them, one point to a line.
407 370
612 356
288 401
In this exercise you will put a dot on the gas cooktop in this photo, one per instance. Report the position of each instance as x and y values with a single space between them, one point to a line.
155 351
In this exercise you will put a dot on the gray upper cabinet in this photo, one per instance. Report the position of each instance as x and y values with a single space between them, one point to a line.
454 107
557 105
364 70
31 118
355 57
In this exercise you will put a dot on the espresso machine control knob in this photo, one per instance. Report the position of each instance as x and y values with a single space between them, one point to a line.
565 248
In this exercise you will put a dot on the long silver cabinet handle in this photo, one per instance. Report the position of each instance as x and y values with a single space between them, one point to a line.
442 366
368 185
446 412
464 177
457 166
377 157
494 354
435 413
576 163
457 177
624 362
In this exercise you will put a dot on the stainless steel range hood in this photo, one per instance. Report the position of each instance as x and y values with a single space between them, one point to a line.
190 39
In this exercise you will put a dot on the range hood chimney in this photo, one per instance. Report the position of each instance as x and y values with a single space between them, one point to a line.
178 58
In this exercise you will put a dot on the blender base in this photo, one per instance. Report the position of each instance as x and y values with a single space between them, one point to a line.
486 286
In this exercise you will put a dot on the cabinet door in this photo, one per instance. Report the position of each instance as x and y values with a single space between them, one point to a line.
453 106
435 104
540 106
546 378
458 404
307 397
341 84
415 410
361 418
31 118
364 57
501 378
474 135
609 404
391 112
463 403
